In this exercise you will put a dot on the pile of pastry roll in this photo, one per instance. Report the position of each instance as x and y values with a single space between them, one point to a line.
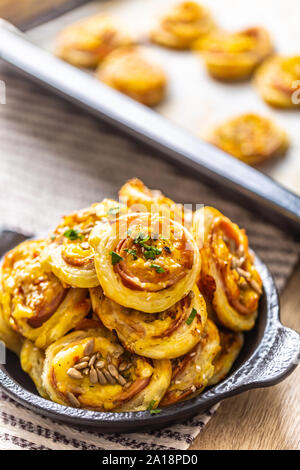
130 305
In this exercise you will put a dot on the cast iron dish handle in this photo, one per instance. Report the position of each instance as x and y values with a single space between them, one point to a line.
181 146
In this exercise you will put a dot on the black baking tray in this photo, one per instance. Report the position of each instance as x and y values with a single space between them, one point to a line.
252 187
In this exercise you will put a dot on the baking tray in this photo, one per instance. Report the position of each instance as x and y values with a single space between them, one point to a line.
194 101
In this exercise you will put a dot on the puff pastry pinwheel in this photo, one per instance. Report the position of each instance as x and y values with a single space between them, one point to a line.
192 372
132 73
35 302
250 138
163 335
10 338
87 42
145 261
231 345
234 56
32 362
278 81
90 370
70 255
229 279
182 25
138 198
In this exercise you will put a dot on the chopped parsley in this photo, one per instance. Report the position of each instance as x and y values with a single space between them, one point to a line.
115 258
151 252
73 234
141 238
114 210
153 411
52 237
158 268
131 252
191 316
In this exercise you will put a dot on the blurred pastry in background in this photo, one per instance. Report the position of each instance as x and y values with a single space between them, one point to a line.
250 138
130 72
86 42
278 81
182 25
234 56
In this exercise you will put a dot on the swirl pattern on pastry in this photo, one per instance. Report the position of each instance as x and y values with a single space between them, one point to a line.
163 335
182 25
32 362
145 261
192 372
70 255
89 369
228 279
250 138
87 42
234 56
278 81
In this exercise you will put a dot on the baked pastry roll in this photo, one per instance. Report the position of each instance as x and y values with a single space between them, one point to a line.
138 198
32 362
10 338
234 56
231 345
163 335
132 73
70 255
145 261
278 81
35 303
192 372
89 369
250 138
86 42
182 25
228 278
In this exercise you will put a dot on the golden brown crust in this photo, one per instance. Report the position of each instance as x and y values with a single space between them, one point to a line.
192 372
231 345
163 335
228 275
182 25
250 138
278 81
130 72
234 56
87 42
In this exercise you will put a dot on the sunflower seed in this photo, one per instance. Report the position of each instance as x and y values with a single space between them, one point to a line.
93 376
74 374
89 347
240 251
92 360
121 380
234 263
108 359
243 273
81 365
86 371
112 370
101 378
73 400
232 245
127 385
85 359
123 366
109 377
255 286
100 364
241 261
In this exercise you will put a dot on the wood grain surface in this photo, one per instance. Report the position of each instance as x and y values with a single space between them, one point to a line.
261 419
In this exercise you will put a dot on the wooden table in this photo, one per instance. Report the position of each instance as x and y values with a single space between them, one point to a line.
261 419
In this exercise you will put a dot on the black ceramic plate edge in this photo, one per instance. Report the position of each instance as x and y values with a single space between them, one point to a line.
274 357
173 142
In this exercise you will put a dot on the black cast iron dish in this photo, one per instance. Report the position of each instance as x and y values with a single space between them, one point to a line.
271 352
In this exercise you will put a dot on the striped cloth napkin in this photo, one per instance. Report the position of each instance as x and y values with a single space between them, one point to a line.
55 159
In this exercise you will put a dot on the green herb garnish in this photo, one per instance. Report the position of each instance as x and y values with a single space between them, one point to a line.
115 258
191 316
131 252
153 411
141 238
114 210
73 234
158 268
151 252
